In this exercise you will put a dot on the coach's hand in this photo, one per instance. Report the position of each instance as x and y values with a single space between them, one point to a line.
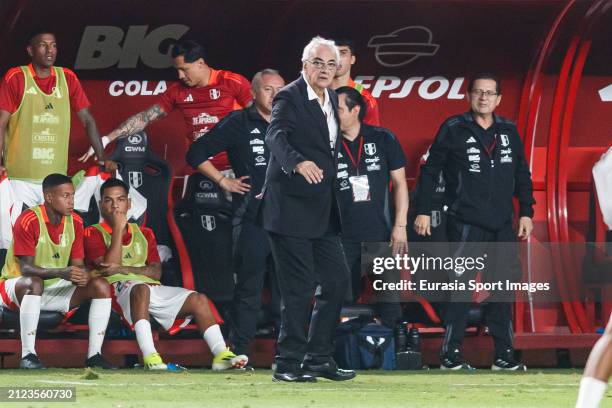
422 225
2 171
235 185
311 172
525 227
76 275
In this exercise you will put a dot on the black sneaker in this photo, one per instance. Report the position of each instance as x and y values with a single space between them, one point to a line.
507 362
453 360
97 361
291 372
31 362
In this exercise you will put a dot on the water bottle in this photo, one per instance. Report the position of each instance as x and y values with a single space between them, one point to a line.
414 340
401 337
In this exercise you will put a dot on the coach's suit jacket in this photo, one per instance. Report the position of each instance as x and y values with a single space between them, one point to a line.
297 132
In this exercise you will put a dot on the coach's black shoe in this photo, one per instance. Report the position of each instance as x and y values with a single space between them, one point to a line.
453 360
291 372
507 362
97 361
31 362
293 377
328 370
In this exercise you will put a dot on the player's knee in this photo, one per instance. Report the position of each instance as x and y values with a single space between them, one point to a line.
140 293
201 299
100 288
33 285
197 301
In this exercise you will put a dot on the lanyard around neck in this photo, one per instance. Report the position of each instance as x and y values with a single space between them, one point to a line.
350 155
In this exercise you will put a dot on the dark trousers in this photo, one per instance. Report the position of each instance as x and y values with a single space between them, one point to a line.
306 268
251 252
389 311
466 241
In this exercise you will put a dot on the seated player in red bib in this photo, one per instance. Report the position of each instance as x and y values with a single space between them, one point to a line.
44 270
127 256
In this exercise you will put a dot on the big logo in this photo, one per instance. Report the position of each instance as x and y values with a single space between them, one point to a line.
106 46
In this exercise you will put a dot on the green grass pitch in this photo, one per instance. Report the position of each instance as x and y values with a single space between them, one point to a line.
204 388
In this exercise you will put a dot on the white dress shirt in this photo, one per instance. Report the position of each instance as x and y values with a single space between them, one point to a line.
328 112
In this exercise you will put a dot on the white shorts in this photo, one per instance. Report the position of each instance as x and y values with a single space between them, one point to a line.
28 193
165 302
55 298
8 217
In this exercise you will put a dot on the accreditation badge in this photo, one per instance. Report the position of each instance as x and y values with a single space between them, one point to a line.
361 188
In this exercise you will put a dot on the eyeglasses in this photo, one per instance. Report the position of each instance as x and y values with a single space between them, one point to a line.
481 92
332 66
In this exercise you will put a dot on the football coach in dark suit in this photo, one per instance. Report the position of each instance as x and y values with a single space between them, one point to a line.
301 214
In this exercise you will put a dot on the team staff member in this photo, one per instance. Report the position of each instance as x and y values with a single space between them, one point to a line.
44 270
127 256
370 157
483 163
204 96
242 134
35 105
301 215
343 78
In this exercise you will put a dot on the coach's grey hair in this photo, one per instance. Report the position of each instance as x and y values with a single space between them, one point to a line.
257 77
315 42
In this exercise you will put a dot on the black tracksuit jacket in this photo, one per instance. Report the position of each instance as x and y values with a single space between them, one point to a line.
480 180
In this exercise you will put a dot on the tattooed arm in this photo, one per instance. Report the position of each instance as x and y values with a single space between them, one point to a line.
137 122
133 124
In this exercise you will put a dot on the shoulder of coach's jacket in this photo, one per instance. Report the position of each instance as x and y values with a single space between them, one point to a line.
504 121
506 125
455 120
289 92
377 131
239 116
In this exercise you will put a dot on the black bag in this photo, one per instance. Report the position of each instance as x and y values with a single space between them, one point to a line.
364 345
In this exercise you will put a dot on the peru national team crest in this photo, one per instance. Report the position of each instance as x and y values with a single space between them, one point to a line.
208 222
370 149
504 140
135 178
215 93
